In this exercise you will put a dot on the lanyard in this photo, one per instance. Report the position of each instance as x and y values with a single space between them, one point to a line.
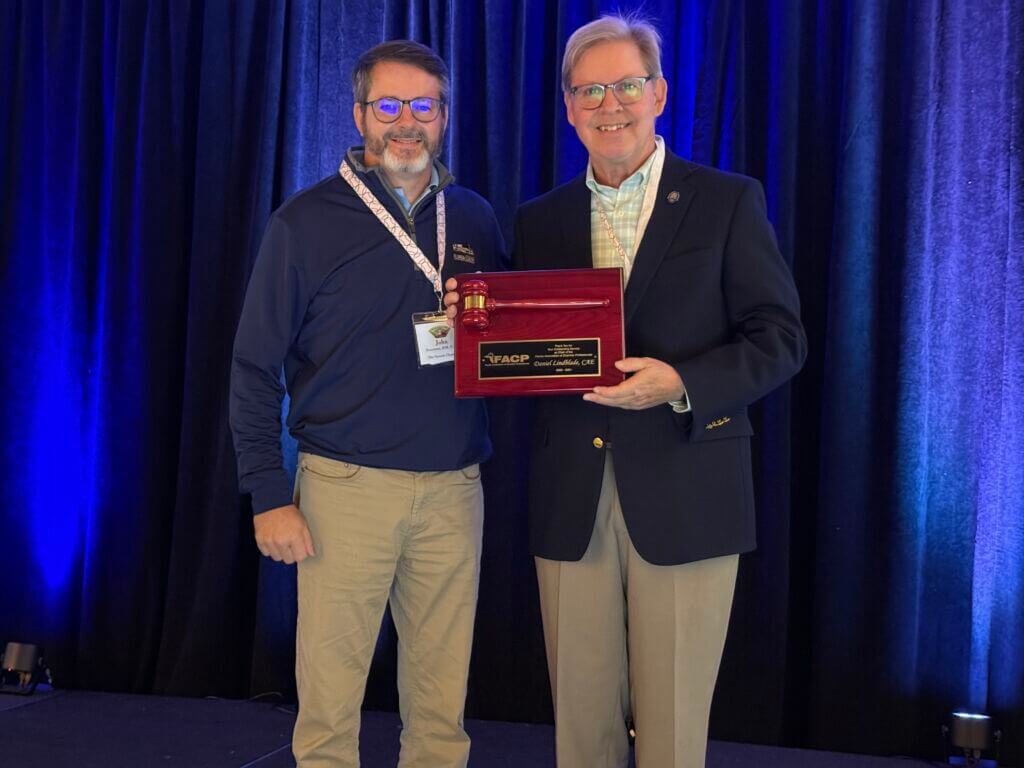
650 192
399 233
627 263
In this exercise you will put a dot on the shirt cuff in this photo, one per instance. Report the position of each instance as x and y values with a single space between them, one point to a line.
682 405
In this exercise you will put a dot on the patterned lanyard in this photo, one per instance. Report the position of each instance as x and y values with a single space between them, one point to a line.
399 233
627 263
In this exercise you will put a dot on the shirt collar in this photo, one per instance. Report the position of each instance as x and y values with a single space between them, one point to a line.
635 181
435 181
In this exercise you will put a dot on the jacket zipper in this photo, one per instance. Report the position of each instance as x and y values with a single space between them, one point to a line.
410 215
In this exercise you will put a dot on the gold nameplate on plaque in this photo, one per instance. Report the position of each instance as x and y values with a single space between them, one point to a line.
539 358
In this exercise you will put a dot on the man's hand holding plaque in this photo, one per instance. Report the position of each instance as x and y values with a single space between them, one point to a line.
653 383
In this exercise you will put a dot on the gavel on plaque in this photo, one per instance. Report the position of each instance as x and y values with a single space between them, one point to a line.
477 304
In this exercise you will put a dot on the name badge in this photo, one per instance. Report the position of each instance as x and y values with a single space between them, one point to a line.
435 339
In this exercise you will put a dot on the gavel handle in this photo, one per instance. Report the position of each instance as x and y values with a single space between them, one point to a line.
493 304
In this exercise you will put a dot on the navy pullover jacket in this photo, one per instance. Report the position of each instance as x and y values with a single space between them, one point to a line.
331 298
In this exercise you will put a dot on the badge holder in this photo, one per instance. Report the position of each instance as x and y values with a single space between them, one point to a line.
435 339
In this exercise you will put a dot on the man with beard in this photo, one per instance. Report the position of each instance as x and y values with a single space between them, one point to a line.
387 503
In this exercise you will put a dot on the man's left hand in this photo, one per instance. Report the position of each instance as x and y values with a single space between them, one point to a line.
652 383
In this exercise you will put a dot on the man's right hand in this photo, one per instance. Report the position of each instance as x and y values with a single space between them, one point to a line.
282 534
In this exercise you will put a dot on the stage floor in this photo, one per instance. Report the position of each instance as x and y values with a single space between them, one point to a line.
81 729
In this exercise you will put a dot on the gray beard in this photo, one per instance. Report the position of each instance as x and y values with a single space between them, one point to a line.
394 164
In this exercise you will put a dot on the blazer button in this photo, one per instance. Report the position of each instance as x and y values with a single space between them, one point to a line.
598 442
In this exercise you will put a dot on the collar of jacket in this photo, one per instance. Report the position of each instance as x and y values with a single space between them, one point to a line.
354 156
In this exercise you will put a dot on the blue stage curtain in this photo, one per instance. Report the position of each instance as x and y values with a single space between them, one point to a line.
145 144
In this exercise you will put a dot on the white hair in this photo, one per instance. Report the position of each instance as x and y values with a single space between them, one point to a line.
610 28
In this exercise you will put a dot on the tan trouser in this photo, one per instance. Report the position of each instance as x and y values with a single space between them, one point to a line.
411 538
625 636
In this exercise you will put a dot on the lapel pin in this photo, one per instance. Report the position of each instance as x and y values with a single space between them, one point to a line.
673 196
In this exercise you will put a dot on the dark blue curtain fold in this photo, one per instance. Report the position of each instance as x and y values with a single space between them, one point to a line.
924 295
146 143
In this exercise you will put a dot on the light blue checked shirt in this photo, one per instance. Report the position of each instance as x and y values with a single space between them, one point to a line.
624 208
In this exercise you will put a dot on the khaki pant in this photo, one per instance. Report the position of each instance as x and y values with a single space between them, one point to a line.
626 637
381 535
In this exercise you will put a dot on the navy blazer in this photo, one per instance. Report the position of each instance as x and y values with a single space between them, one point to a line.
711 295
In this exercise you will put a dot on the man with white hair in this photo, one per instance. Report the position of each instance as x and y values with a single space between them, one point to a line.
387 504
640 495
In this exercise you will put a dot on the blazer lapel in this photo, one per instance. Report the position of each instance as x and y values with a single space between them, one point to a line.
661 230
576 226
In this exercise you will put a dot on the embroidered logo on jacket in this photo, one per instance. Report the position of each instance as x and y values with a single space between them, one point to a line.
464 253
718 423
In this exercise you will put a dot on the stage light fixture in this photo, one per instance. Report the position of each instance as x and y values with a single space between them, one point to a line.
22 668
971 734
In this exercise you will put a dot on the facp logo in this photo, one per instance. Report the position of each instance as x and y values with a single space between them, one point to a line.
494 359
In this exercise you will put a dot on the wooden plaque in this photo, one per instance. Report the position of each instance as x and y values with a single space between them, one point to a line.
543 332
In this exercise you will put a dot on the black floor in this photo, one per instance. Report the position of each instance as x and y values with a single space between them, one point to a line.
79 729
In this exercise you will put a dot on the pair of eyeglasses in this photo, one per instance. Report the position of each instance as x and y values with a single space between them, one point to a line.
629 90
424 108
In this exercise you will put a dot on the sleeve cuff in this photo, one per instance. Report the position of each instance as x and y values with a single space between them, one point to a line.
272 494
682 405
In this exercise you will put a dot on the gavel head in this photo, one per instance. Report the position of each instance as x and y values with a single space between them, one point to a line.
474 305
